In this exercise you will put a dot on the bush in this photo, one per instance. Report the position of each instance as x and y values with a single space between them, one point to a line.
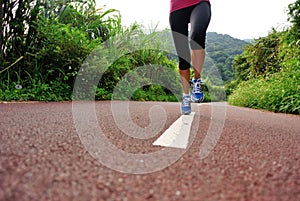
268 71
279 93
50 52
213 93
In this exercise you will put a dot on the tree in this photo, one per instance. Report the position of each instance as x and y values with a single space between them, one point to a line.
294 14
293 37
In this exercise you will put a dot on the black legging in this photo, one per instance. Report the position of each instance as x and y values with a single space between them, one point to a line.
199 17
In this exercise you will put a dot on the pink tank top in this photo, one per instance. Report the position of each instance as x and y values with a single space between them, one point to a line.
179 4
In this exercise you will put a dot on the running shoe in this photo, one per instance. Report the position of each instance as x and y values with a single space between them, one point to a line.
197 92
186 105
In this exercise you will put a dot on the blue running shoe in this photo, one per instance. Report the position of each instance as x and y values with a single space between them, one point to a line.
186 105
197 93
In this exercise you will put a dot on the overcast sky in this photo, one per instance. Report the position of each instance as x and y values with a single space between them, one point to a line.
239 18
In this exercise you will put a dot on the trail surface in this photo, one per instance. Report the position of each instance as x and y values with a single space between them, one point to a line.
256 157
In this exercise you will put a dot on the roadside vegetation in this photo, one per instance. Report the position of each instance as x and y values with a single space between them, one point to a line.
268 71
45 43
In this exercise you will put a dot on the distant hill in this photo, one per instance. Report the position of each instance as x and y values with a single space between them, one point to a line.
221 50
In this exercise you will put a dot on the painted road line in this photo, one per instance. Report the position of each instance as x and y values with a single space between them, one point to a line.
177 135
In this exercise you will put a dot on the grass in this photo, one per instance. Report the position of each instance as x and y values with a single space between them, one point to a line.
278 93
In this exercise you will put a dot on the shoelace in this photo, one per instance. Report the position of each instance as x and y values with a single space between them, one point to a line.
186 101
197 87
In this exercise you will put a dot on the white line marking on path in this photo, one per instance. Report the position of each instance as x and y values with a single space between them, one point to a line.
177 135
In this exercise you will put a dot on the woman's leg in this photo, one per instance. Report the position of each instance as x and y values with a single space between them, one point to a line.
198 57
200 19
179 21
185 76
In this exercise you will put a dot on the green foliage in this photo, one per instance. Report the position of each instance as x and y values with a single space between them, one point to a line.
221 50
153 92
231 86
136 78
213 93
45 57
259 59
54 91
294 18
63 49
46 43
96 23
141 56
268 71
279 93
